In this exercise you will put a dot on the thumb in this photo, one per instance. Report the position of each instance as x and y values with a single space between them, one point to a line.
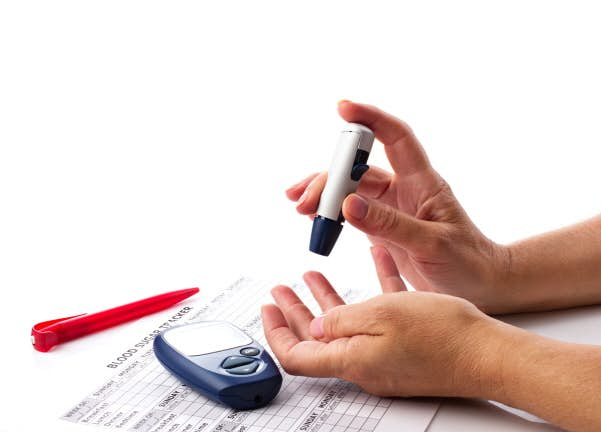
344 321
381 220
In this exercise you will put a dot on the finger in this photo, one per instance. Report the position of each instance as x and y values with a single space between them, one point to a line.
296 313
309 358
346 321
322 290
294 192
388 274
405 153
308 201
374 183
381 220
276 328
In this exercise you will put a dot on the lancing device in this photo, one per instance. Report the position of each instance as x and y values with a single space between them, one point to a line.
348 165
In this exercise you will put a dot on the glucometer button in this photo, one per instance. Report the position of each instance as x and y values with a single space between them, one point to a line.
244 370
249 351
235 361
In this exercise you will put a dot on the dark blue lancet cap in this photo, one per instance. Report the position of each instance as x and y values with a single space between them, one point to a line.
324 234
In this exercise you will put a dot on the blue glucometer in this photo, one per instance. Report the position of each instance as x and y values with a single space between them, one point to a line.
221 362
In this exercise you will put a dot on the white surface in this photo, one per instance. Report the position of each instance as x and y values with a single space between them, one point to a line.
145 146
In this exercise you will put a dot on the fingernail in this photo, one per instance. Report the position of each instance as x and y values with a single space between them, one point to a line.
341 101
316 327
357 207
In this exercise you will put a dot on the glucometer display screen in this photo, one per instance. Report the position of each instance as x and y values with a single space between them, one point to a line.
205 338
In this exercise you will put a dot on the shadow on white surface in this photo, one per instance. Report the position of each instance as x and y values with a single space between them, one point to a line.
477 415
577 325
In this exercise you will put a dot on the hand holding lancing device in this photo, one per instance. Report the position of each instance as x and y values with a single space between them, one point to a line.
414 213
429 343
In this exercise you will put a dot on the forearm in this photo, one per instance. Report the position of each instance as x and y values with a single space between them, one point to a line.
557 381
555 270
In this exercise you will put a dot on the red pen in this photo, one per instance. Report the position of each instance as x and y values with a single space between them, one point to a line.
47 334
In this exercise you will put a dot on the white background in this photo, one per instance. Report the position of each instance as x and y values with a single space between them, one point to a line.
146 146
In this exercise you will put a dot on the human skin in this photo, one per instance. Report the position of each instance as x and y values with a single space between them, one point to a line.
437 247
404 343
439 341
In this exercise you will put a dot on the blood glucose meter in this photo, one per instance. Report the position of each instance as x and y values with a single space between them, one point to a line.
221 362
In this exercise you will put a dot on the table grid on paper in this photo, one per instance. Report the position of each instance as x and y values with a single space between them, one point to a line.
144 397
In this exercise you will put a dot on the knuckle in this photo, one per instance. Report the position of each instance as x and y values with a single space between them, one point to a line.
383 314
439 240
386 220
295 309
382 311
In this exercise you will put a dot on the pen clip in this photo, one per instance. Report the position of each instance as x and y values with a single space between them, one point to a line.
43 339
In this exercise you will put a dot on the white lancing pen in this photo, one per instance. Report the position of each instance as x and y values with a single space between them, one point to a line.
348 165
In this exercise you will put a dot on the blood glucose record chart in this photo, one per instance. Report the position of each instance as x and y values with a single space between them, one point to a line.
142 396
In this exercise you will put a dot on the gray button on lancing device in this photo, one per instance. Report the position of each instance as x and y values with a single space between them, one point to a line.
221 362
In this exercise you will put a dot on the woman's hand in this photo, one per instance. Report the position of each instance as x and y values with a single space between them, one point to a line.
397 344
414 214
425 344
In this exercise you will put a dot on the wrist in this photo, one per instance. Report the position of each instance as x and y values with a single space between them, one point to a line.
518 287
552 379
496 280
491 359
502 282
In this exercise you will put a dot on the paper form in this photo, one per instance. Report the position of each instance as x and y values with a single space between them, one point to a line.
142 396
